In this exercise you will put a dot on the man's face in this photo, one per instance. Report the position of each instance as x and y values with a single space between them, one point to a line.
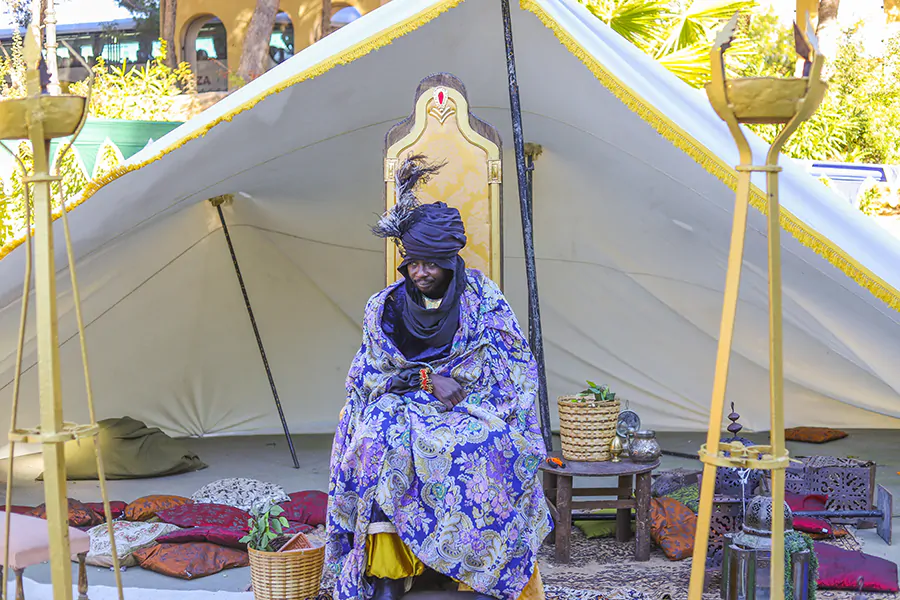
428 278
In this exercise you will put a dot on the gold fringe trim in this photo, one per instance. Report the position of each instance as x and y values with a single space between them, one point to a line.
379 40
716 166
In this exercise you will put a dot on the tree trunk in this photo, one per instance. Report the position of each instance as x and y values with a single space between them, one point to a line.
824 19
50 36
255 57
167 13
827 30
326 19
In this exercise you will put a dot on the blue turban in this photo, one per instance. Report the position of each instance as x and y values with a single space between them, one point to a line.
437 234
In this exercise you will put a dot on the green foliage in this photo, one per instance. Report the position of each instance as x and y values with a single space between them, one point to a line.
12 70
12 190
145 93
879 200
108 159
145 14
137 93
677 34
265 527
859 118
19 10
600 393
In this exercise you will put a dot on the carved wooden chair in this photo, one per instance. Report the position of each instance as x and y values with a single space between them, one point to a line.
443 128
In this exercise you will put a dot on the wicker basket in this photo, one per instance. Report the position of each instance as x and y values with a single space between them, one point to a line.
292 573
586 427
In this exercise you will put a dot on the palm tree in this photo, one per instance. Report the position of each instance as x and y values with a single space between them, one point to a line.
678 34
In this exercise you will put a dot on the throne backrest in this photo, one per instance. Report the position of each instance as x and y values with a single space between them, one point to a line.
442 128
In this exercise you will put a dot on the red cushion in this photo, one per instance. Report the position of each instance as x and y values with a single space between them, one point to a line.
295 528
807 502
306 507
810 525
199 515
116 507
841 569
799 502
213 535
190 561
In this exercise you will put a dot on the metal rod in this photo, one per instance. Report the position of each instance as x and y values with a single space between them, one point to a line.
841 514
535 336
262 350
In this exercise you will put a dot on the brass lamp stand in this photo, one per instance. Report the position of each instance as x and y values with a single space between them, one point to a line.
753 100
40 117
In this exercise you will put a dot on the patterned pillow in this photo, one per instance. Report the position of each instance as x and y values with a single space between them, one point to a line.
245 494
689 495
306 507
672 527
190 561
813 435
80 515
18 510
214 535
206 515
144 509
129 537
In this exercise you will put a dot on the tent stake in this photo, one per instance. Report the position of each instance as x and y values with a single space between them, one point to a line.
217 202
536 339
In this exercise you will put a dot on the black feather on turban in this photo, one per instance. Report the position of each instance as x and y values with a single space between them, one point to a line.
423 231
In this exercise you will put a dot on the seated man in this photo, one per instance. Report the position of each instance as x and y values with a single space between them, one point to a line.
436 457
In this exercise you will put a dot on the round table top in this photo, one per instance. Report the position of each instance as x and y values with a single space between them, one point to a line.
597 469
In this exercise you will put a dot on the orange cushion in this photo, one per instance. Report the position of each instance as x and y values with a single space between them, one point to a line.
144 509
672 527
813 435
190 561
80 514
29 542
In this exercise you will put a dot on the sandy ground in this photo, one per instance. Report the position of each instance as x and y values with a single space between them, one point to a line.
268 459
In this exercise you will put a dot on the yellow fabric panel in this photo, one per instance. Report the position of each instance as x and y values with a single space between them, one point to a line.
462 184
389 558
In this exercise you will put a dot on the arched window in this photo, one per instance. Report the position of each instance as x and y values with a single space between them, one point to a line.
343 16
206 49
281 44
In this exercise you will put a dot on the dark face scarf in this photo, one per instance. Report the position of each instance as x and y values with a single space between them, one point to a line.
435 327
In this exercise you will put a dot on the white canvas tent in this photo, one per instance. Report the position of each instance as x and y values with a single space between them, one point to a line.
633 210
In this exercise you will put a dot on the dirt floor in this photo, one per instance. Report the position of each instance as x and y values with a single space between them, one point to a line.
268 459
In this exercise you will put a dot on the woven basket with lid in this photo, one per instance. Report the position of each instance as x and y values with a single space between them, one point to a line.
586 427
292 573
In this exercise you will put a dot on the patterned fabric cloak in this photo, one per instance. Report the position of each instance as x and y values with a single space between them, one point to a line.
462 486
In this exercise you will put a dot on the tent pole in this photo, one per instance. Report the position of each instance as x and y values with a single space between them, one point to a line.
536 339
217 202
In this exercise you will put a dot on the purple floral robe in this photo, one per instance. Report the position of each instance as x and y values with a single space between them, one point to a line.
462 486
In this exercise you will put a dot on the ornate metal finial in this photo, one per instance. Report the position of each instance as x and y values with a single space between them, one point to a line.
735 427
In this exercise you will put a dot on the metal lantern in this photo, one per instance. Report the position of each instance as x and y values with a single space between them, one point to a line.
747 557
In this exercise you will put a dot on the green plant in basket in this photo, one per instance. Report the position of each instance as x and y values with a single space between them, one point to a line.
600 393
265 527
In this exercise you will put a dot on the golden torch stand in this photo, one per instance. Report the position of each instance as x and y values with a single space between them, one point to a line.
753 100
40 117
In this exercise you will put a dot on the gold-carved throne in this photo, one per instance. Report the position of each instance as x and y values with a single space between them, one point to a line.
442 128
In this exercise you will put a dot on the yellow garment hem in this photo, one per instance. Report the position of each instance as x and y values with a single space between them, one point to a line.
387 557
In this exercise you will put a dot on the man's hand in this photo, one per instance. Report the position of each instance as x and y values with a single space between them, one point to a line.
447 391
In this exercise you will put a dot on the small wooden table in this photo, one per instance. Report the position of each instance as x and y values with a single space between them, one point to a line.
558 485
